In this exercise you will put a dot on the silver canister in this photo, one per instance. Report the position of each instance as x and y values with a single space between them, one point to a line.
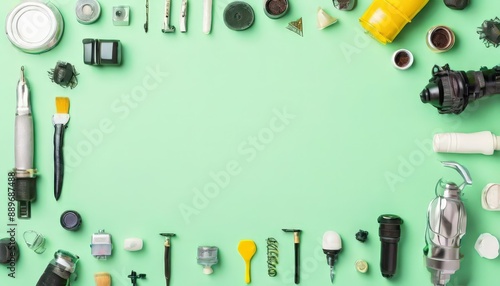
440 39
34 26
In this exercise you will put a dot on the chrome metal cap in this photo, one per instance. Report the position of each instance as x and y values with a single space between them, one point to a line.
34 27
87 11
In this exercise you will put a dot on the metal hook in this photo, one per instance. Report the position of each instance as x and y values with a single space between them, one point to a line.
461 170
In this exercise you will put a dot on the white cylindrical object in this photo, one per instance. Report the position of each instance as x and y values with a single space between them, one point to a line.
24 142
470 143
207 16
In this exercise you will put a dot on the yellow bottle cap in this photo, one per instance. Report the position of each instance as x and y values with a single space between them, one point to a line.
361 266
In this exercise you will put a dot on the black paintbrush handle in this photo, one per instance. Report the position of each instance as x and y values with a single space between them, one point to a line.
297 263
167 264
58 160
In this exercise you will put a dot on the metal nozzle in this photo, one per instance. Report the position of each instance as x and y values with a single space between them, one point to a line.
23 102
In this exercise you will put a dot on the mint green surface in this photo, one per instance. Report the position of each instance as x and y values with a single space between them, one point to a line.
167 143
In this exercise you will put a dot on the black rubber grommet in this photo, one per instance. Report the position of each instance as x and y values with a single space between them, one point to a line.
71 220
238 16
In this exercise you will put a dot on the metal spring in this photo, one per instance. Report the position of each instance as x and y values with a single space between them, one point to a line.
272 256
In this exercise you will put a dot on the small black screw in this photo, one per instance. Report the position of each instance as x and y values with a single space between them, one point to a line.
362 235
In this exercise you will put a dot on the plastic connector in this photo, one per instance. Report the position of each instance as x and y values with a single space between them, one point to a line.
102 52
25 193
101 246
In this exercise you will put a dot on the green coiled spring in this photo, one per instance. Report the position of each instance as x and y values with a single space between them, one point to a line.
272 256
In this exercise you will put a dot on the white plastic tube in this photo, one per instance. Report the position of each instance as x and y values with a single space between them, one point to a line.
207 16
483 142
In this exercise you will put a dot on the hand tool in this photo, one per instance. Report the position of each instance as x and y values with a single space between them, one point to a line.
25 173
60 121
296 240
167 259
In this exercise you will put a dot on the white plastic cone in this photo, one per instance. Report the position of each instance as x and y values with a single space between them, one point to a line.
324 19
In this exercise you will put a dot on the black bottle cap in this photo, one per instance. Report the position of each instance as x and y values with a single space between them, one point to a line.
71 220
8 251
238 16
390 219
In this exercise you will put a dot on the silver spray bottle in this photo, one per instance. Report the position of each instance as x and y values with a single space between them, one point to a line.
446 223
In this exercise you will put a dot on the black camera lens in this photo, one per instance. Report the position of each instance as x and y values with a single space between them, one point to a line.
389 232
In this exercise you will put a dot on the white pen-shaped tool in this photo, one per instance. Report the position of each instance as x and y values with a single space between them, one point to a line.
25 173
207 16
182 24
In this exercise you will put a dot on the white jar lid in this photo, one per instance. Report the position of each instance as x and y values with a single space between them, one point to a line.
490 198
34 27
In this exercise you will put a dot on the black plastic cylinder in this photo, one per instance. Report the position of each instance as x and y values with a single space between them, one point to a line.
388 259
389 232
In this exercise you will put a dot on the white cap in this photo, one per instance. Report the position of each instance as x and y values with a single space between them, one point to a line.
490 199
332 241
361 266
487 246
324 19
208 270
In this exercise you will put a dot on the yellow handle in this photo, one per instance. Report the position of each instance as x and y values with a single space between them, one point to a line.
247 272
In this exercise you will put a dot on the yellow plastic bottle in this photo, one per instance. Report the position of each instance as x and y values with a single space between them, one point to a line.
384 19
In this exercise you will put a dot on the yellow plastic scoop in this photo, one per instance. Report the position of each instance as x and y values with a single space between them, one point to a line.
247 249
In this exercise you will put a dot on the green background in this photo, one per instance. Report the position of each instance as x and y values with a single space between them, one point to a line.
146 140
